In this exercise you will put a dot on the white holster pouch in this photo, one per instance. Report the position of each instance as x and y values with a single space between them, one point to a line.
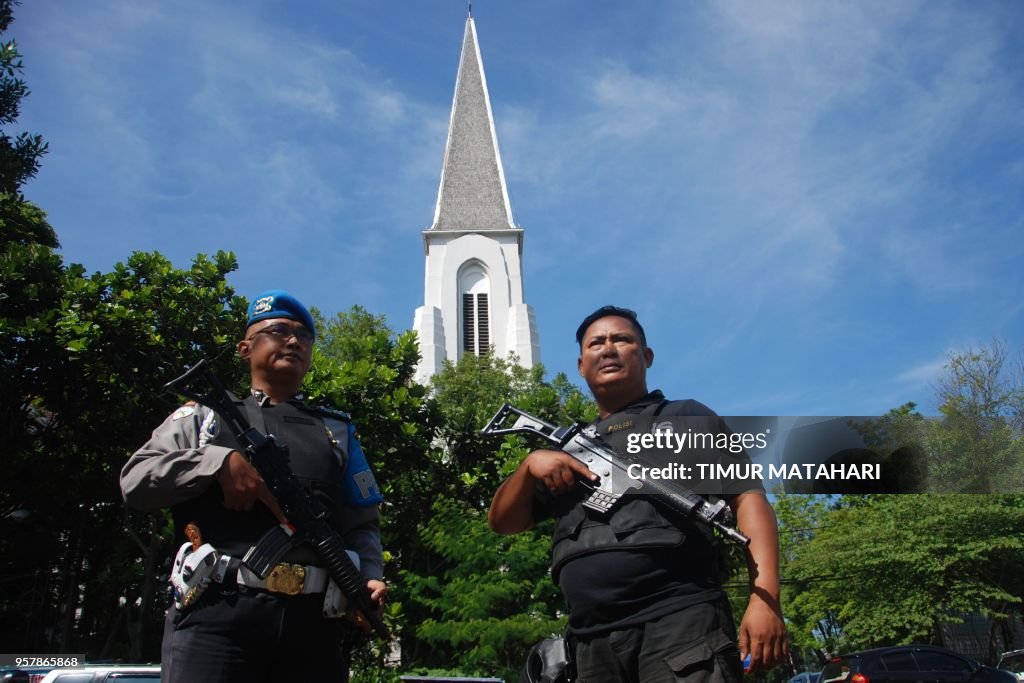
192 573
335 602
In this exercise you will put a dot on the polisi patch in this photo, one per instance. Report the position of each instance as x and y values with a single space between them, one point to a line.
616 427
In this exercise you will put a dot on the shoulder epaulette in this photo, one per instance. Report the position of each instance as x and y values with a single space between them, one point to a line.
686 407
325 411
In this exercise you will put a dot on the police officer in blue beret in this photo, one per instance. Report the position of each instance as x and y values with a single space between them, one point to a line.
227 624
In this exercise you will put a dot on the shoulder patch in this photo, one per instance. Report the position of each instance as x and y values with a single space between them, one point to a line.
184 411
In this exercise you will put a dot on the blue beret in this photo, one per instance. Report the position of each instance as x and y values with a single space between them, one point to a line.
278 303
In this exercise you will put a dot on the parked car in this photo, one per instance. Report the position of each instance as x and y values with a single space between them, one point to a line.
120 673
910 664
805 677
25 674
1013 662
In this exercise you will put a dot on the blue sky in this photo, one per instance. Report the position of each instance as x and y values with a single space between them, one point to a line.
810 204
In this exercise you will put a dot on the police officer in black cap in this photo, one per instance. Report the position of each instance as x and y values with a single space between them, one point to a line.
227 624
644 600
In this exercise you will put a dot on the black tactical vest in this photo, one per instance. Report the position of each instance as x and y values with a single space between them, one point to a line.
635 524
316 457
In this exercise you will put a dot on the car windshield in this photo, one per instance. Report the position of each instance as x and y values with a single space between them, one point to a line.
1012 662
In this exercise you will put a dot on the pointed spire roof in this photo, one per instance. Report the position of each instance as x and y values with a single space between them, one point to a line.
472 195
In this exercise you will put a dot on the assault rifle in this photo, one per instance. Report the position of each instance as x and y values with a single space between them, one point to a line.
583 444
307 516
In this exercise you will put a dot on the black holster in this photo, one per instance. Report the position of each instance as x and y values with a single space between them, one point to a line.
549 661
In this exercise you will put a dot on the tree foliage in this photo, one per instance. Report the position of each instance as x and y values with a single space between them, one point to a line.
490 598
800 517
861 571
84 358
485 599
977 445
890 569
463 600
19 155
364 368
29 268
113 340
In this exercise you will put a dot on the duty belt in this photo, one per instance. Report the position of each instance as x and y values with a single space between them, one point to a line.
196 568
284 578
287 579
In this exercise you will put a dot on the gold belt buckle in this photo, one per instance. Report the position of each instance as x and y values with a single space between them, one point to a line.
286 578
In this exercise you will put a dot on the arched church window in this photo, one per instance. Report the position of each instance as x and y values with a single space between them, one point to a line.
475 310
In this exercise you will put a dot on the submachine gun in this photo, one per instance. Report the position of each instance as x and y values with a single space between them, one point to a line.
583 444
307 516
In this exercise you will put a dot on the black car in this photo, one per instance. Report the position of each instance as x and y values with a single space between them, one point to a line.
910 664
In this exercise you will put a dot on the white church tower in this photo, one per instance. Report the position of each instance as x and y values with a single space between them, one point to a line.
473 293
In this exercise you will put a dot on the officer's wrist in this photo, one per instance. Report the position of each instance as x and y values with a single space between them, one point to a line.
225 464
759 595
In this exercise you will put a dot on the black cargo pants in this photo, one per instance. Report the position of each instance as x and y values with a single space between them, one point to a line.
695 645
253 636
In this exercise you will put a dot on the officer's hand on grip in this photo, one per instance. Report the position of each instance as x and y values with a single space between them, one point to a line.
557 470
378 589
243 486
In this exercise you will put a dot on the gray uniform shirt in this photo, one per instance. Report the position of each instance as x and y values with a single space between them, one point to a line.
180 462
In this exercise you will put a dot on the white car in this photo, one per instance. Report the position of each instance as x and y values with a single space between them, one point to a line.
142 673
1013 662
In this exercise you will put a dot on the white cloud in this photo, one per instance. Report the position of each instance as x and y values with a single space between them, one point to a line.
925 373
792 135
773 163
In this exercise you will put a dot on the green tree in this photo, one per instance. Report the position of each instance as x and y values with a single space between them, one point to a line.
363 367
19 155
484 599
491 597
977 445
30 270
83 359
118 337
892 568
454 603
126 333
885 569
810 623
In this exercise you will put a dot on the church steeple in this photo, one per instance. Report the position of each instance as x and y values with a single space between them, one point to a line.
473 287
472 194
